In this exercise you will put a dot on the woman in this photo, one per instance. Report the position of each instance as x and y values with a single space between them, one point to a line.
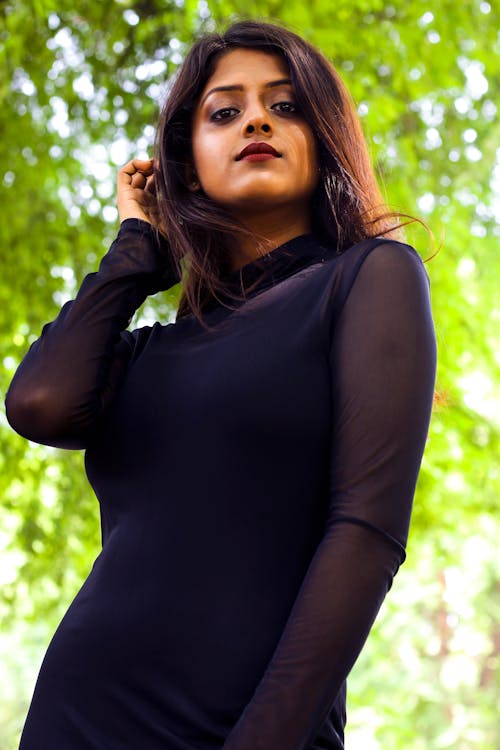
255 461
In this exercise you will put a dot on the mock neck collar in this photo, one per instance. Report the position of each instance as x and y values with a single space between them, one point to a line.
267 270
277 264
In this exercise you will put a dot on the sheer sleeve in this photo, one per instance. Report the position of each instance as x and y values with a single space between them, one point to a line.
383 361
70 374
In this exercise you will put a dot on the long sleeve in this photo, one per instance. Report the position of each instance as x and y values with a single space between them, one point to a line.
382 362
70 374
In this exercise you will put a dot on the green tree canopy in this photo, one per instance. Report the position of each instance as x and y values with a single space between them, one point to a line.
81 88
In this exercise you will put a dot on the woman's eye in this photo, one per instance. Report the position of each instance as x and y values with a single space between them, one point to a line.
290 107
220 114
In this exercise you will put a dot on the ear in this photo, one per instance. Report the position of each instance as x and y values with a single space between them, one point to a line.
192 180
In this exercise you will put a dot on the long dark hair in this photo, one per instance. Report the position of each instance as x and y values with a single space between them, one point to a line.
347 205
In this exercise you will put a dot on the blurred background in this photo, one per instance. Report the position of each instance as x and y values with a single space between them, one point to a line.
80 88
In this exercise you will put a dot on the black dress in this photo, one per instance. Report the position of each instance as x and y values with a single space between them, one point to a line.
255 486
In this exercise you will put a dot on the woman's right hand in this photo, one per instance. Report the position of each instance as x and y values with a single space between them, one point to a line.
136 190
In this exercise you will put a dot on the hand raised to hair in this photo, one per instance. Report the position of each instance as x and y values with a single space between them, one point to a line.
136 194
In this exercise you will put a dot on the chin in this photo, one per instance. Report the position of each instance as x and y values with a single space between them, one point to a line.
262 205
261 197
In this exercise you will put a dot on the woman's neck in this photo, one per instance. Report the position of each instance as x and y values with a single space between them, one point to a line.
272 230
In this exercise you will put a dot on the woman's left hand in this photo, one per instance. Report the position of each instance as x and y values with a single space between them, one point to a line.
136 193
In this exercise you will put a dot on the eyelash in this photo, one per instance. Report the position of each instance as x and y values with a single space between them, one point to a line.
227 109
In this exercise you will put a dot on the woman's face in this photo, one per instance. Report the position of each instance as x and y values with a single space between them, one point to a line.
259 108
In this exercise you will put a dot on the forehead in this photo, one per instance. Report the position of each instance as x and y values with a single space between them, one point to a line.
245 66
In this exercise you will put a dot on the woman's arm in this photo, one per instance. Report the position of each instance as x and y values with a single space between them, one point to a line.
383 360
70 374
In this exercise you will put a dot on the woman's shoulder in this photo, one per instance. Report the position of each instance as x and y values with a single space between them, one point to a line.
387 249
378 255
136 340
379 262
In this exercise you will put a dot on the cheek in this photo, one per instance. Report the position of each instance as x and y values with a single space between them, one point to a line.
308 156
206 153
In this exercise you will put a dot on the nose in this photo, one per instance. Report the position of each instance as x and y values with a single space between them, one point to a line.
256 127
257 121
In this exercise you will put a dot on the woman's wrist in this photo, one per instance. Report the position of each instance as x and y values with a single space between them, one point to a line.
135 221
124 215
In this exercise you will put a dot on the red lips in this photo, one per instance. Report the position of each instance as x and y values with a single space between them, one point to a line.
258 147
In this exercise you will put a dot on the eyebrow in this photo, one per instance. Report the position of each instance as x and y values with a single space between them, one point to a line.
239 87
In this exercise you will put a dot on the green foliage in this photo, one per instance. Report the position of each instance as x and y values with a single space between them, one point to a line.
80 89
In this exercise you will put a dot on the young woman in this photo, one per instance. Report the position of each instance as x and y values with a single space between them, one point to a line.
255 460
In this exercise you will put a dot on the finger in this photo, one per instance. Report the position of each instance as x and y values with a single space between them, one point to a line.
138 165
138 180
130 179
151 185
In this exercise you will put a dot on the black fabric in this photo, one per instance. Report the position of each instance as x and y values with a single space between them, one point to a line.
255 485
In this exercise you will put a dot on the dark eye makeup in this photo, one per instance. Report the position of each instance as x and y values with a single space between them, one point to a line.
219 115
